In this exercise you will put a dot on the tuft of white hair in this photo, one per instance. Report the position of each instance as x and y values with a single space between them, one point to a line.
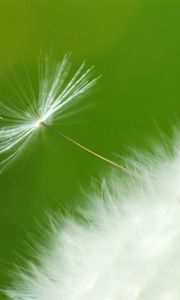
126 246
57 92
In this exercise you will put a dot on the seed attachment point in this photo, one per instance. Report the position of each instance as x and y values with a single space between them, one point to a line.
39 122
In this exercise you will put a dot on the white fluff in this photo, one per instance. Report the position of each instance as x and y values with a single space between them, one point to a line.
56 93
127 249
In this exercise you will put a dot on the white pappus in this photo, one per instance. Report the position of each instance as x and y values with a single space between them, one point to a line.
56 92
128 247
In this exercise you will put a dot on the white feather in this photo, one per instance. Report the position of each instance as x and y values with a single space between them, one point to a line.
128 247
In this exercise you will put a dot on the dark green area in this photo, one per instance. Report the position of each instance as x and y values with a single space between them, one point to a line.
135 45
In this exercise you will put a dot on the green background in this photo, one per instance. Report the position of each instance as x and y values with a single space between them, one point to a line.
135 45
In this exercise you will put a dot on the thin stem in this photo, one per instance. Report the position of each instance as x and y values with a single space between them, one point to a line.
72 141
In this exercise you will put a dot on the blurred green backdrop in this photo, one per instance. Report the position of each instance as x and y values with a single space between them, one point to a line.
135 44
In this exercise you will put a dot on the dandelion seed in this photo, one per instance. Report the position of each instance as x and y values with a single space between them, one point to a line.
55 95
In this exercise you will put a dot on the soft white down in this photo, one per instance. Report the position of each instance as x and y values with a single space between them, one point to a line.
126 247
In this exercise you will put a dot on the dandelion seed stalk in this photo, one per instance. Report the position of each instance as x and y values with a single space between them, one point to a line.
74 142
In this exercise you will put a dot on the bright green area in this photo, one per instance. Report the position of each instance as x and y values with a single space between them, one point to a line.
135 44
